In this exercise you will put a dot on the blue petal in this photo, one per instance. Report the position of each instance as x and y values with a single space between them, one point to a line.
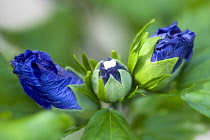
106 73
55 85
172 29
174 43
34 93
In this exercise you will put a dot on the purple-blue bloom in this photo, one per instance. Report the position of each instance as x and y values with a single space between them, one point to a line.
174 43
110 67
44 81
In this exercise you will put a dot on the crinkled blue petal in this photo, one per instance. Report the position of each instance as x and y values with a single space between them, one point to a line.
174 43
170 30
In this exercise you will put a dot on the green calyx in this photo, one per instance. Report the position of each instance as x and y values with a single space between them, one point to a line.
113 90
149 75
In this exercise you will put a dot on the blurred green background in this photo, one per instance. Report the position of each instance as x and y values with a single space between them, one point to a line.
66 27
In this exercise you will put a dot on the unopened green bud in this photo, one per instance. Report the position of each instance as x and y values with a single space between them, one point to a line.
111 81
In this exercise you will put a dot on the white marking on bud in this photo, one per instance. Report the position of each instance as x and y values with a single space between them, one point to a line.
109 64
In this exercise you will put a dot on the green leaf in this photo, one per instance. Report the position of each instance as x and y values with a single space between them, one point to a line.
157 117
108 125
44 125
197 74
197 71
178 92
199 98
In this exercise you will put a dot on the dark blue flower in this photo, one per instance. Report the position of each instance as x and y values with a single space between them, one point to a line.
110 67
44 81
174 43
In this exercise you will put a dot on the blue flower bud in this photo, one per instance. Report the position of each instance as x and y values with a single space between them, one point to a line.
174 43
157 60
111 81
44 81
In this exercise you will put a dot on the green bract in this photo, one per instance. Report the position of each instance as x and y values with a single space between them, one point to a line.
112 90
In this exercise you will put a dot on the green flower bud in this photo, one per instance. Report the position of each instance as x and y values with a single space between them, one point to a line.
111 81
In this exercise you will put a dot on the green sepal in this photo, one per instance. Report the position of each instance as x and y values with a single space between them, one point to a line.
101 91
131 94
93 63
79 64
87 92
136 45
155 82
122 99
134 53
84 101
86 62
108 92
115 55
116 90
153 73
148 74
98 85
87 80
145 53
